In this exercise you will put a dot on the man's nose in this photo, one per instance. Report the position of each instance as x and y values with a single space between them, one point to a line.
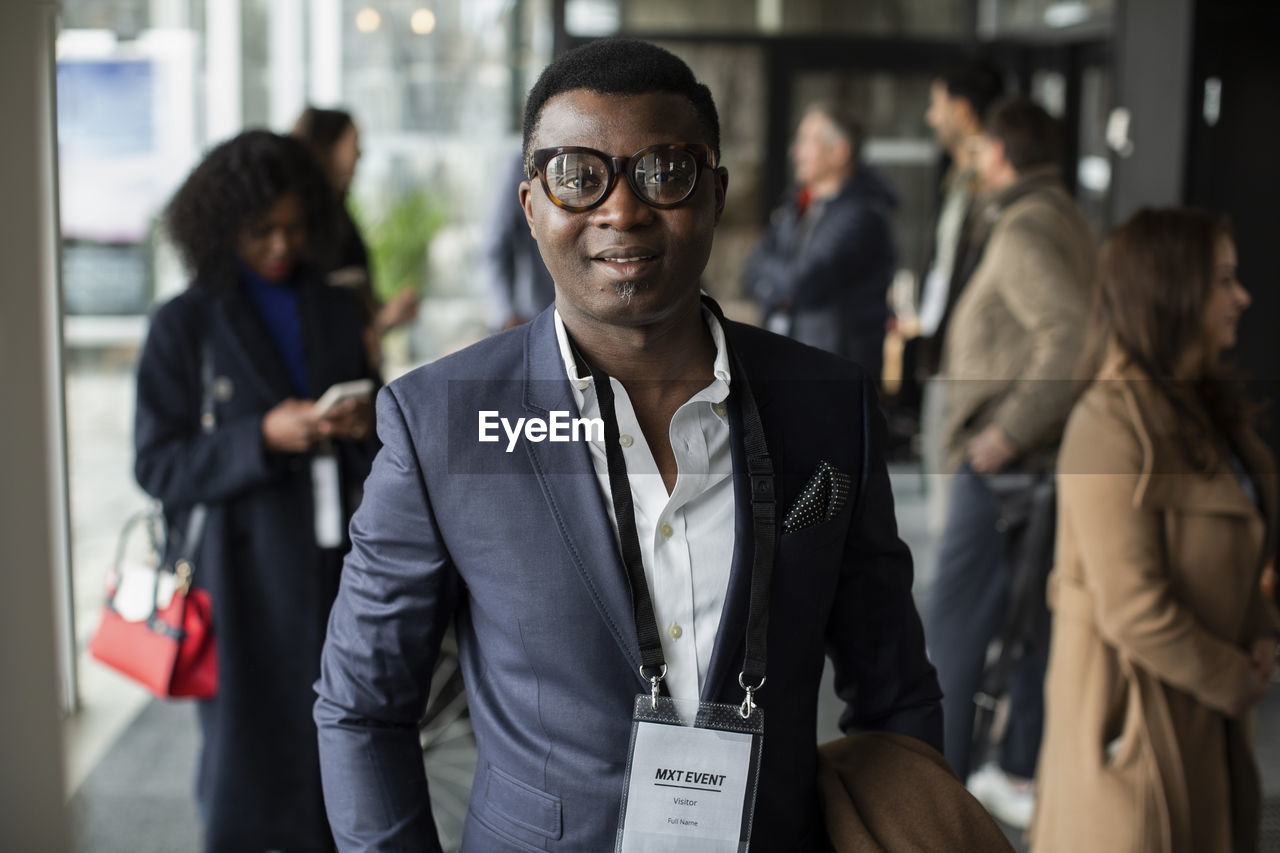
622 208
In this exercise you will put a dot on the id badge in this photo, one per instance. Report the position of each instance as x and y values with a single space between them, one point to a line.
327 499
691 777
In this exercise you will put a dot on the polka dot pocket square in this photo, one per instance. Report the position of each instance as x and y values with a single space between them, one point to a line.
823 497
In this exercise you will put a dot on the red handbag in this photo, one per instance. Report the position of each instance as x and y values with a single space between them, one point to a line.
156 627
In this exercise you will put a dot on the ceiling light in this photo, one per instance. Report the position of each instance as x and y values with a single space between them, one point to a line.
368 20
422 21
1067 13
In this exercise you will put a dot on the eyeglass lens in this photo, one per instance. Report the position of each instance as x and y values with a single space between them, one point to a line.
661 176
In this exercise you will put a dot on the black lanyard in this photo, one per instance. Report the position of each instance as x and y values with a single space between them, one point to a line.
653 666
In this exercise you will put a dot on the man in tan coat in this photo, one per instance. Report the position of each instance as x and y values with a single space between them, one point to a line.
1009 356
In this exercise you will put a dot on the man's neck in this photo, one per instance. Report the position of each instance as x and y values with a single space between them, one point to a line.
962 154
661 365
678 348
1001 180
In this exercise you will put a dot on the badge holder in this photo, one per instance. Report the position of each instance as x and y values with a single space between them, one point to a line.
692 774
326 495
693 767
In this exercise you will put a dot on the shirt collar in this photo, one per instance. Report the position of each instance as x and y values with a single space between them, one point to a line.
719 387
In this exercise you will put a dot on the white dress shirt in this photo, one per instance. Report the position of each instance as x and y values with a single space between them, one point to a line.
686 537
937 282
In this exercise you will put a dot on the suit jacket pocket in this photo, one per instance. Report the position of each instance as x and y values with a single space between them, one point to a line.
815 548
518 811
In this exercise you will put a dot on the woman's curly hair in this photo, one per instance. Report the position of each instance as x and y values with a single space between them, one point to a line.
237 183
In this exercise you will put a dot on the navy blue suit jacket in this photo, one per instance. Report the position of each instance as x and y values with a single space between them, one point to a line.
519 548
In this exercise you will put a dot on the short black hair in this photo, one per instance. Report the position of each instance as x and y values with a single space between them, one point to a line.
977 82
1031 137
236 183
620 66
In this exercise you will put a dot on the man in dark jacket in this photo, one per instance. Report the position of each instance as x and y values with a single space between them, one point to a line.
518 283
823 268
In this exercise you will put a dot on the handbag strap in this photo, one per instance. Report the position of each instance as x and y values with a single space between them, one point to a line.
208 422
153 518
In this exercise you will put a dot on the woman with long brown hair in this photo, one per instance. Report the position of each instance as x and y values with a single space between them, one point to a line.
334 139
1162 640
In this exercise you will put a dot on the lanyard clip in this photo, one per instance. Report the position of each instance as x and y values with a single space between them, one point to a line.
654 681
749 703
761 473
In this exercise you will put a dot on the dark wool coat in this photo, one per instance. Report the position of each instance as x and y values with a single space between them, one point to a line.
830 272
272 586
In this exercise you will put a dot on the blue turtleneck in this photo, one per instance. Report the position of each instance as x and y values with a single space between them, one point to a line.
277 304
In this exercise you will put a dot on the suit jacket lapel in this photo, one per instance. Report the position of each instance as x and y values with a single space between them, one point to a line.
568 482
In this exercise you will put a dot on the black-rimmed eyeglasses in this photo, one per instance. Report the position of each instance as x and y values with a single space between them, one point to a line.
577 179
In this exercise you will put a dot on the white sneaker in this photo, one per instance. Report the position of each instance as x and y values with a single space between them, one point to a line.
1008 799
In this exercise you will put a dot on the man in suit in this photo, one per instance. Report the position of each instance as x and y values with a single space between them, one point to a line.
514 535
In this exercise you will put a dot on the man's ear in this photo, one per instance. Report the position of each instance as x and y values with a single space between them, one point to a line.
844 152
526 201
722 190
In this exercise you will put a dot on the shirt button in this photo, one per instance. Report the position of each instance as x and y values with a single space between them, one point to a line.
722 375
666 531
675 631
626 440
582 384
720 409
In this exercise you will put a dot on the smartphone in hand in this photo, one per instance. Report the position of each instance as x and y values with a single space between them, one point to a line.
356 388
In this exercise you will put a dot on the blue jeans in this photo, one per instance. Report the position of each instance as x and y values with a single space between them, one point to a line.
967 607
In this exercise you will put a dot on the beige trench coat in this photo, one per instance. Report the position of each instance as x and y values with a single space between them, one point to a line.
1155 600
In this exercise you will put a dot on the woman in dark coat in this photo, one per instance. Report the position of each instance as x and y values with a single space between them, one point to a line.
247 222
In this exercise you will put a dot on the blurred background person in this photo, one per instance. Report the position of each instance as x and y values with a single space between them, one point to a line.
958 98
279 480
822 270
334 138
1009 356
518 284
1163 642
